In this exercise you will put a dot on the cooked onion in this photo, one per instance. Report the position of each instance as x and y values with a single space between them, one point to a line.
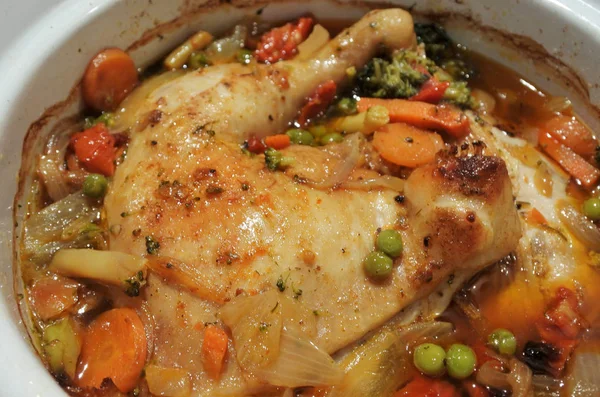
64 224
272 337
582 228
488 375
317 39
51 167
345 167
557 104
300 363
584 379
382 182
170 382
111 267
425 331
224 50
519 378
376 368
545 383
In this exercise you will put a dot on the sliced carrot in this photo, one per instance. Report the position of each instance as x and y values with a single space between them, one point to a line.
405 145
318 102
280 141
109 77
214 348
574 164
50 296
572 133
95 149
114 346
442 117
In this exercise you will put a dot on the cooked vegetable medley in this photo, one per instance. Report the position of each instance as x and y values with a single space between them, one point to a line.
282 212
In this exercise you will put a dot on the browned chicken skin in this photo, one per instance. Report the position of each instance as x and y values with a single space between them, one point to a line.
219 224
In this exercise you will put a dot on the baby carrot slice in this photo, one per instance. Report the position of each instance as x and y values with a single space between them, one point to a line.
109 77
278 142
573 163
214 348
572 133
114 346
405 145
442 117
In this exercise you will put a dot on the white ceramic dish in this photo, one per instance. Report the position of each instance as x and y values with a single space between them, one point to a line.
45 58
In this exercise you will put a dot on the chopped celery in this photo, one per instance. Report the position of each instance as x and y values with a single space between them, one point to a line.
61 346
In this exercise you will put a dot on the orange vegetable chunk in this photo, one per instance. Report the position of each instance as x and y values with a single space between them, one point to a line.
115 347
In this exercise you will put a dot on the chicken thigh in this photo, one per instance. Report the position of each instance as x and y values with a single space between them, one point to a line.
218 223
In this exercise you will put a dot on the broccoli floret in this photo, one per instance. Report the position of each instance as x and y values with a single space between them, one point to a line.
459 94
275 160
395 78
106 117
438 45
443 51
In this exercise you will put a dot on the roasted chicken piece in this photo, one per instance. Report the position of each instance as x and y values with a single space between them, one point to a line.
217 223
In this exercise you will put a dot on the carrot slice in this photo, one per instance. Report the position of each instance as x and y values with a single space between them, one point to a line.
95 148
50 296
109 77
574 164
114 347
214 348
572 133
405 145
423 115
280 141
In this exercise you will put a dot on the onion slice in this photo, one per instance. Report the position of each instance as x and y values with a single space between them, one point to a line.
582 228
382 182
343 170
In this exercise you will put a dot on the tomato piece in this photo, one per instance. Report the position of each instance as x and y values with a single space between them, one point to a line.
95 149
318 102
256 145
432 91
282 42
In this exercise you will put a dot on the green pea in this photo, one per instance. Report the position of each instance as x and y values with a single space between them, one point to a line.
429 359
300 137
198 60
317 130
347 106
591 209
331 138
503 341
378 265
244 56
95 185
390 242
460 361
